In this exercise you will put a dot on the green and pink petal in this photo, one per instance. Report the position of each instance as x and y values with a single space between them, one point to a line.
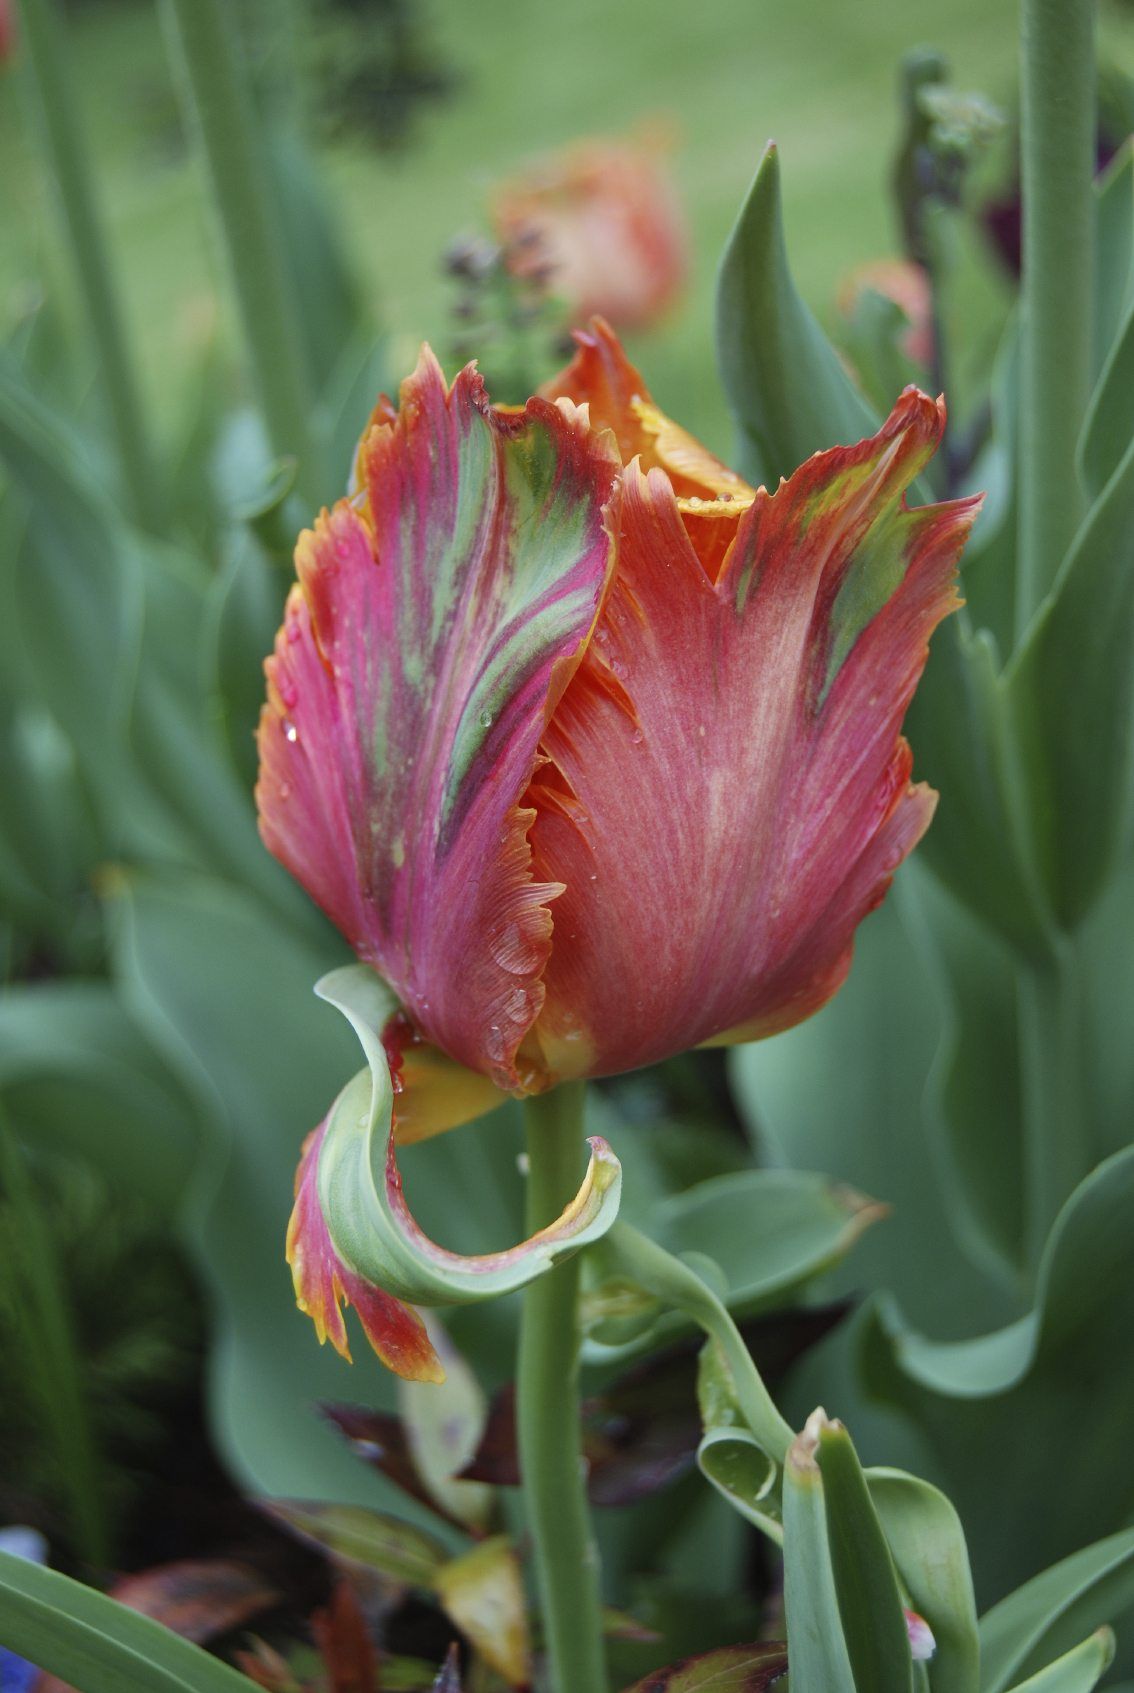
440 614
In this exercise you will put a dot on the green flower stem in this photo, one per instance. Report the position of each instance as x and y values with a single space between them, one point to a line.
1056 1155
70 158
217 92
548 1415
673 1282
1058 157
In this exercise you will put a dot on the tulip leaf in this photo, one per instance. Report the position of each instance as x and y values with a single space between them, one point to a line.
78 1076
1072 688
1114 249
817 1648
483 1593
771 1231
1078 1671
789 393
1044 1616
730 1669
927 1544
360 1192
1109 424
96 1644
360 1536
729 1456
866 1583
444 1423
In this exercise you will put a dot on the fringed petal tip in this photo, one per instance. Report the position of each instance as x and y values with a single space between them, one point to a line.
324 1284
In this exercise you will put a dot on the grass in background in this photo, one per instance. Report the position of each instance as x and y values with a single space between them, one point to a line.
724 74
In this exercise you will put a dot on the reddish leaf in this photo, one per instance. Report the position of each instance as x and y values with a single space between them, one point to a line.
341 1634
732 1669
380 1439
642 1433
264 1665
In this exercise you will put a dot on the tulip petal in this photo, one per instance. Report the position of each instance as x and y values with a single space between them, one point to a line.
602 377
727 794
352 1236
324 1283
439 615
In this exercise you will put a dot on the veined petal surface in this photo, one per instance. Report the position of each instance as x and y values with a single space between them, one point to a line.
438 616
727 794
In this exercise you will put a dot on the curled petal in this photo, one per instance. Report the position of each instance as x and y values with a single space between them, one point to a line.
602 377
324 1283
749 705
922 1643
439 615
352 1235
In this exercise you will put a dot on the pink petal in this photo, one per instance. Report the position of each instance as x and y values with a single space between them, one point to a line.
727 794
442 612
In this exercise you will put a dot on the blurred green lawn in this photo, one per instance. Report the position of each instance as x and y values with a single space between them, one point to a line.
727 74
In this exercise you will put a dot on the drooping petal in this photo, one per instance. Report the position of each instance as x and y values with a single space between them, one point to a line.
750 715
352 1237
323 1284
439 615
602 377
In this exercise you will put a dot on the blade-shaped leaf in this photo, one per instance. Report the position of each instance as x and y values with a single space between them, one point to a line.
96 1644
1044 1616
927 1543
866 1583
1078 1671
1072 688
817 1648
731 1669
786 386
351 1532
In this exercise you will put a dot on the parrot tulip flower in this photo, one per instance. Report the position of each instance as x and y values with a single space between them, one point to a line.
601 225
591 750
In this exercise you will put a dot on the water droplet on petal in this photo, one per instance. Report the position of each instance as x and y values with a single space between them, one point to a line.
289 693
486 720
291 733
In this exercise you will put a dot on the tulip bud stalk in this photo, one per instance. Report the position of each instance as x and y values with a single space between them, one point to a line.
548 1410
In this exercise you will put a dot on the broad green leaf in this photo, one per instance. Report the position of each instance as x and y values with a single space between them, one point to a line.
731 1669
96 1645
1078 1671
788 391
817 1648
770 1231
844 1092
1006 1390
973 1109
866 1583
1042 1618
395 1549
1072 688
483 1593
79 1077
1086 1260
927 1543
